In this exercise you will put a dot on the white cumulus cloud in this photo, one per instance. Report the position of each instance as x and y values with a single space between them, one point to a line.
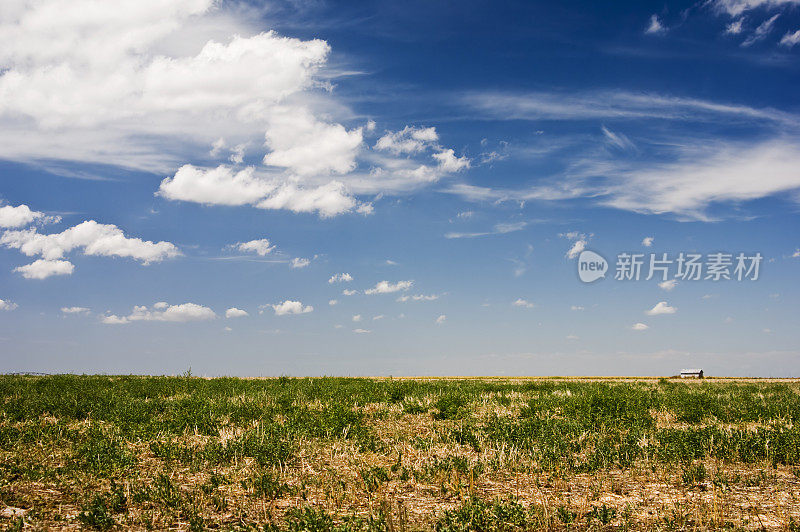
648 241
668 285
523 303
234 312
408 140
7 305
289 307
43 268
661 308
22 215
92 238
165 312
222 185
576 248
299 262
639 327
449 162
74 310
385 287
441 319
261 246
340 278
307 146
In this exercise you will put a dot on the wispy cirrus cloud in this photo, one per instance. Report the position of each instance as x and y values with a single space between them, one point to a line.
612 104
498 229
685 183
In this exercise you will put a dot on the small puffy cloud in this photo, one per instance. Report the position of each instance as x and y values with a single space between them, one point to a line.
92 238
790 39
42 269
385 287
408 140
7 305
333 302
113 319
796 253
576 307
648 241
572 337
655 27
639 327
441 319
299 262
74 310
668 285
20 216
348 292
260 247
378 317
735 27
576 249
291 307
227 186
581 240
174 313
162 311
222 185
418 297
340 278
361 331
234 312
357 317
661 308
523 303
449 162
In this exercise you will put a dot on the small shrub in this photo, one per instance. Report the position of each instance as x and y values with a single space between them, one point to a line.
450 406
604 514
694 474
97 514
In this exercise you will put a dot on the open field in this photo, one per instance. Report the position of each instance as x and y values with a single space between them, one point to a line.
398 454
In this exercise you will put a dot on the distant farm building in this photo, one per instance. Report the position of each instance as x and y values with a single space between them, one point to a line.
691 374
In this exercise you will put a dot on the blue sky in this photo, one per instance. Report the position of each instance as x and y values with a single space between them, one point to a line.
385 188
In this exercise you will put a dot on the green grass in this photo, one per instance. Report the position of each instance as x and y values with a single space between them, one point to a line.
333 453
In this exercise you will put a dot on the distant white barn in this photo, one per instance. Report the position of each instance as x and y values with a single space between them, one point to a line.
691 374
